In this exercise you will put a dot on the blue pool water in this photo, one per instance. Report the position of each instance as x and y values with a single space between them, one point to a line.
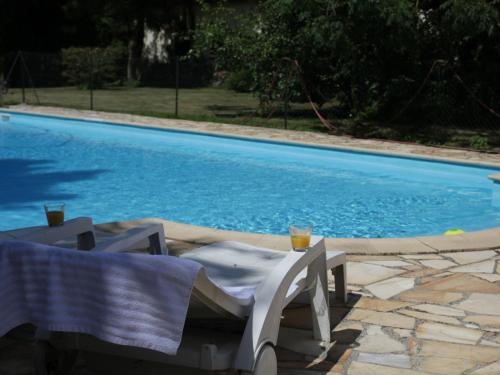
112 173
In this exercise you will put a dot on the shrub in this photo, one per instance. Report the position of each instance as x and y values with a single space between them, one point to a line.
478 142
94 66
240 81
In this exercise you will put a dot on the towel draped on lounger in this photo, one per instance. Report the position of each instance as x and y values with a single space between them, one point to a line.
127 299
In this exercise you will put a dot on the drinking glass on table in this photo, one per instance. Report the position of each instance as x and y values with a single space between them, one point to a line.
300 236
55 214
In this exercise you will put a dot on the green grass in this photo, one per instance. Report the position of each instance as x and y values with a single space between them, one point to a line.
226 106
201 104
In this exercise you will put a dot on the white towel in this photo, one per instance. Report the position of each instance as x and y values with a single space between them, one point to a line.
127 299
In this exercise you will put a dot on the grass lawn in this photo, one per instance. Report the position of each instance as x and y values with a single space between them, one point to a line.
222 105
204 104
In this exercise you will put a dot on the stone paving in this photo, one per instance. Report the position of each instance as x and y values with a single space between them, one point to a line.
406 315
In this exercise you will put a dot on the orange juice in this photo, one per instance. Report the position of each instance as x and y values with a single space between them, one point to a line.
55 218
300 241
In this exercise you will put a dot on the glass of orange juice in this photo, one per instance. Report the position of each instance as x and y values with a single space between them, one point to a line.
55 214
301 236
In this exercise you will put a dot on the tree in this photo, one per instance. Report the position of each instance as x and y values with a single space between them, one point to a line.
371 56
125 21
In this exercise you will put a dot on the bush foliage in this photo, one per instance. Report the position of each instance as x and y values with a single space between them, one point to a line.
94 66
371 56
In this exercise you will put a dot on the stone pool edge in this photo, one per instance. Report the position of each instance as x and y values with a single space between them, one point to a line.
195 236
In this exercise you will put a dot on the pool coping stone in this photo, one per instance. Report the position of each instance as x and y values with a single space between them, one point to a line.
198 236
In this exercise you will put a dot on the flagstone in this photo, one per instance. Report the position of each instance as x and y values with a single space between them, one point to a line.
446 366
429 296
491 277
422 256
376 341
427 279
492 369
360 368
462 283
363 273
413 267
379 304
484 320
386 319
412 345
439 310
431 317
482 267
389 263
489 343
443 332
391 287
370 258
421 272
479 354
403 333
444 274
471 256
481 303
394 360
438 264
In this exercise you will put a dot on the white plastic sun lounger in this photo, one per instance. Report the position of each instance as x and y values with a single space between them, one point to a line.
81 228
151 235
257 306
231 262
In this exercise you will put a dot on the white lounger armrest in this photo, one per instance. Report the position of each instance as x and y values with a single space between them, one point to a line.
154 233
271 298
81 227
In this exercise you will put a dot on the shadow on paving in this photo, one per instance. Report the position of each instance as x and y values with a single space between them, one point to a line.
17 348
343 340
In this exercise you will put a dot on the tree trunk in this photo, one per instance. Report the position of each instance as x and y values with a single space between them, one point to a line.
135 47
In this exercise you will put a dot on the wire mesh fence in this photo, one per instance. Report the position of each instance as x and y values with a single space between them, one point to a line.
441 109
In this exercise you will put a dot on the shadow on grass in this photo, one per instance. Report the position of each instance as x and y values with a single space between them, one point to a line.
24 182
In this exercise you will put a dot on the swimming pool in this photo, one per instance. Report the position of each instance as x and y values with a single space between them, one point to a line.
115 173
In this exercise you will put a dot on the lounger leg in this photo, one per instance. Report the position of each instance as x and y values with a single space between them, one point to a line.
319 306
39 357
339 273
266 363
86 241
59 362
154 244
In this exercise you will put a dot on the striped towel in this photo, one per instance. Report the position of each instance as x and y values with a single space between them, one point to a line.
127 299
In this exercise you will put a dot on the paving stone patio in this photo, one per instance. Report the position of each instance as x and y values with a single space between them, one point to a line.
405 316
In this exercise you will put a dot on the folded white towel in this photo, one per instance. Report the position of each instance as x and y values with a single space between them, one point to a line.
127 299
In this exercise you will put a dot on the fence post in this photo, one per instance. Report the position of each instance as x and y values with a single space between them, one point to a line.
2 88
286 113
23 80
91 80
177 73
285 104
